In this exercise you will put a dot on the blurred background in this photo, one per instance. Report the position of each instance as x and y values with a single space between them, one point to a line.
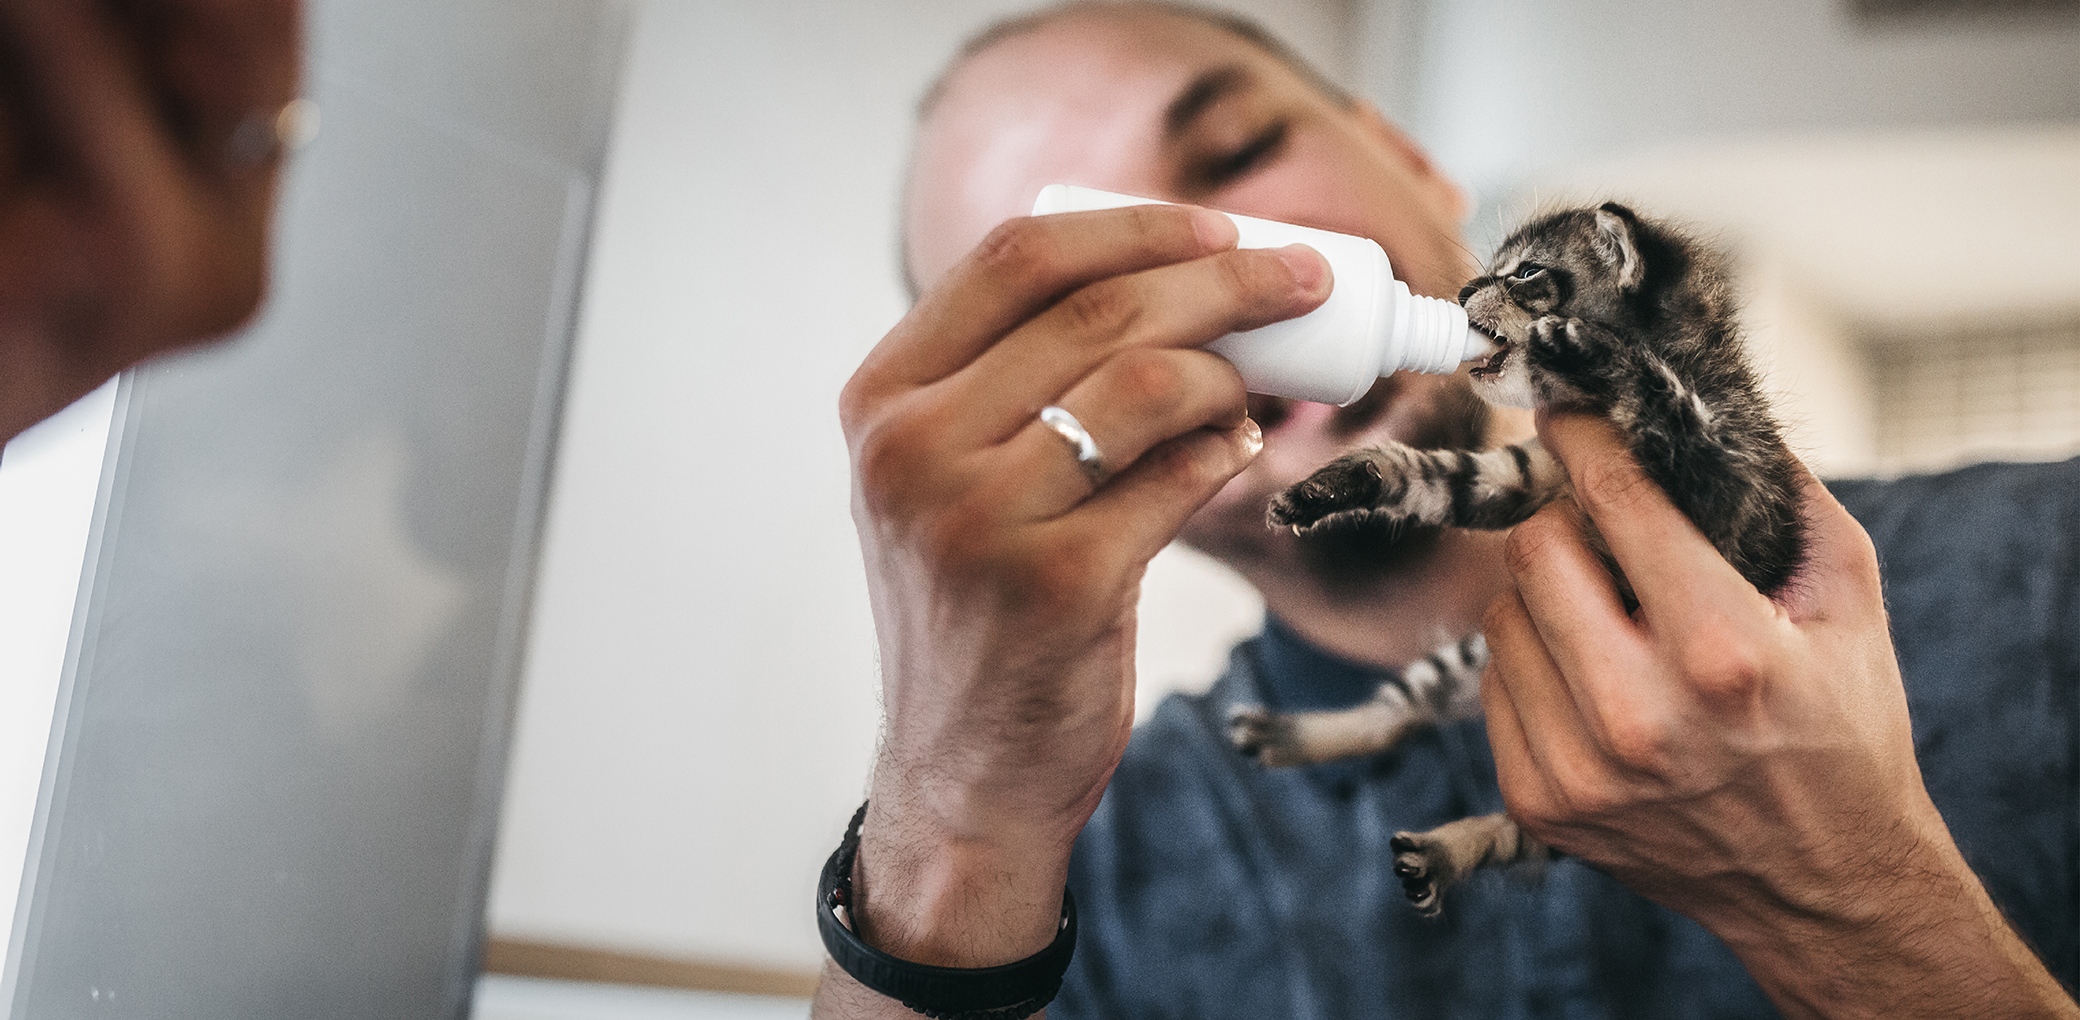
1897 177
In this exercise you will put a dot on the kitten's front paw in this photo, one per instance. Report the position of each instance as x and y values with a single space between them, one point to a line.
1565 341
1425 870
1264 735
1346 484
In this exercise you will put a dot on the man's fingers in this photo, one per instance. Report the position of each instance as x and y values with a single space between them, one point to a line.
1838 555
1520 766
1181 305
1132 403
1564 739
1139 511
1672 568
1023 266
1569 596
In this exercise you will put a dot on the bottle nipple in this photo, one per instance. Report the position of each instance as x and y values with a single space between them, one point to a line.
1478 346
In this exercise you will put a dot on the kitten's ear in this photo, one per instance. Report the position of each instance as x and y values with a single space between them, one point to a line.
1614 225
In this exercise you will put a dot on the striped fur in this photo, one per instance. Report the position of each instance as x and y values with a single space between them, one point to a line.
1443 686
1593 310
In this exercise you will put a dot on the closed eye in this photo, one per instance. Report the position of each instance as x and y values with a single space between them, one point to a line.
1223 169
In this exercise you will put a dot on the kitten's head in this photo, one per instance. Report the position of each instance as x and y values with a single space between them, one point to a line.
1603 265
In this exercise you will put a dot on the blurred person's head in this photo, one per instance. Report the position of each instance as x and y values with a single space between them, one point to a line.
1173 102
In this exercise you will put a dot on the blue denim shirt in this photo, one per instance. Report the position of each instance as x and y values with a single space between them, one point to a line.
1209 887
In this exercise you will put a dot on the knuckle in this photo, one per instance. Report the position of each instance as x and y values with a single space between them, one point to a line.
1104 309
1251 277
1158 227
1612 480
1720 663
1639 743
1582 792
1858 554
1532 542
855 404
1147 378
1020 249
889 458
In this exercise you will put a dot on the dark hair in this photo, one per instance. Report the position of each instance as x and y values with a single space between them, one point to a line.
1234 24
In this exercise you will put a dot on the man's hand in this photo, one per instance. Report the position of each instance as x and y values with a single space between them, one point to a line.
1003 578
1743 760
134 208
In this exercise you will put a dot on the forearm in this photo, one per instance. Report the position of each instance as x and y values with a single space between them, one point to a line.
1922 940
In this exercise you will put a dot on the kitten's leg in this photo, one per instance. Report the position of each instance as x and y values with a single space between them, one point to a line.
1393 484
1440 687
1281 740
1580 363
1428 863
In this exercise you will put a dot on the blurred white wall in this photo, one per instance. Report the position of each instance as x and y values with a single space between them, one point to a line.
1504 90
699 704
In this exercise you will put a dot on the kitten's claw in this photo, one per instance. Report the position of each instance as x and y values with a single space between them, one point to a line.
1343 485
1564 337
1418 862
1264 735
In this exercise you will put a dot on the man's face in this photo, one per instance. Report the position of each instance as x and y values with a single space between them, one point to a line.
1154 104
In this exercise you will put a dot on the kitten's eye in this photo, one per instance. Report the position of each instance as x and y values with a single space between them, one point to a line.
1527 271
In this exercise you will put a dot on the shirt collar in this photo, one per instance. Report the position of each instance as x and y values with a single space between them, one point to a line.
1298 677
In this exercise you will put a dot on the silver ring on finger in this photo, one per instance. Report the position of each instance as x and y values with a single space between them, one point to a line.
1081 445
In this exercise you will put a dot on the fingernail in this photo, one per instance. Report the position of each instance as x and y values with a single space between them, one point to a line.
1305 264
1252 437
1215 230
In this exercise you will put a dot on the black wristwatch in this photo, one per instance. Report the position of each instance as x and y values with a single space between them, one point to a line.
1013 991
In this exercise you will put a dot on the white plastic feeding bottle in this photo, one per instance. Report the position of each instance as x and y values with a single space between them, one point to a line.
1370 325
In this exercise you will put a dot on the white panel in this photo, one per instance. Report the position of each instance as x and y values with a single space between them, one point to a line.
50 476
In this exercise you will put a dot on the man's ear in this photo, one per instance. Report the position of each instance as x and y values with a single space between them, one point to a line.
1614 242
1376 124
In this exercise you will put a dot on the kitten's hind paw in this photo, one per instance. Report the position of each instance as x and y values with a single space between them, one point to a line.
1264 735
1346 484
1424 870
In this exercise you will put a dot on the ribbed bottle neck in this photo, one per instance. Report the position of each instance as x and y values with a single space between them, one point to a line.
1437 335
1425 334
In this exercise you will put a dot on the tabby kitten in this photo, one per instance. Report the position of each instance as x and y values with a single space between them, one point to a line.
1595 310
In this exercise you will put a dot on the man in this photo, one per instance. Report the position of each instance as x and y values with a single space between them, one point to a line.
1744 762
139 149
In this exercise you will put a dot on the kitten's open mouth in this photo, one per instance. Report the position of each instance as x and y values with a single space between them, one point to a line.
1492 365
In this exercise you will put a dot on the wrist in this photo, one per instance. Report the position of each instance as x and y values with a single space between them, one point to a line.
949 897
